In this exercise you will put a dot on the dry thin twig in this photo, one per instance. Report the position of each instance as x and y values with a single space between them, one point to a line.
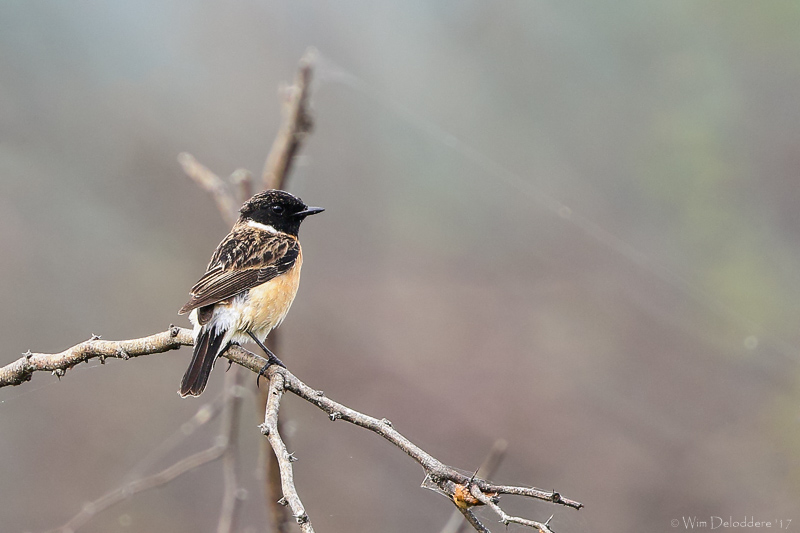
233 495
297 123
505 519
205 414
216 186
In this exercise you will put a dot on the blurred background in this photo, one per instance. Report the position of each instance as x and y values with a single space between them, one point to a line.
571 225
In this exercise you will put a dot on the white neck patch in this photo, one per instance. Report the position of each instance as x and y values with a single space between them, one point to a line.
259 225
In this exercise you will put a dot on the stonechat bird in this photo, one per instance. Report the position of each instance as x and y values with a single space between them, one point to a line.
249 284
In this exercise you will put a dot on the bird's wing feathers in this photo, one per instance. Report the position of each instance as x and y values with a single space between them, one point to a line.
243 260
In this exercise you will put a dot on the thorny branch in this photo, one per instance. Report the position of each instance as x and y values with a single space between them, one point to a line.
285 459
451 482
543 527
23 368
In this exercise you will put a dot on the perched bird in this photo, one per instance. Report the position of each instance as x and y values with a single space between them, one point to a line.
249 284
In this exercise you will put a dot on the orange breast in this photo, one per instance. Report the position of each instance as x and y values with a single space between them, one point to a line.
269 302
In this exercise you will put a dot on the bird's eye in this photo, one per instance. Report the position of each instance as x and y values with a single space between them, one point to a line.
277 209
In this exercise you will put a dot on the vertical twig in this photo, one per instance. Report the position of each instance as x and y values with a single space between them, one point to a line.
270 428
233 495
270 471
297 123
279 513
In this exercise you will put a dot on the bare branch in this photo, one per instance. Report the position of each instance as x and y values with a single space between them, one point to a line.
23 368
285 459
206 413
270 471
438 471
506 519
233 495
297 123
216 186
449 480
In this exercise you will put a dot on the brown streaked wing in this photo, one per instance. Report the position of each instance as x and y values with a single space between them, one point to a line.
238 266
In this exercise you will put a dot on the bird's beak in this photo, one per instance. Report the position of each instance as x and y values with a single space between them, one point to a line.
308 211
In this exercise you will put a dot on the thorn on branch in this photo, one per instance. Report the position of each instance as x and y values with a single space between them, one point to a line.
335 416
386 421
264 429
283 502
122 354
59 372
94 337
301 518
291 457
174 330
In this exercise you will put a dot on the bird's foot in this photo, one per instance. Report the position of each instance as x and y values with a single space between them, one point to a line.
271 360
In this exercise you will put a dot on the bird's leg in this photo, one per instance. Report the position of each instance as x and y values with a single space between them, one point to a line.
271 358
230 362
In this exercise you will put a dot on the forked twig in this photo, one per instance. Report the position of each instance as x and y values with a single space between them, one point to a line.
505 519
216 186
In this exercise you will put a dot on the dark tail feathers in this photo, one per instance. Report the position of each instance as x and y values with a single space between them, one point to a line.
206 349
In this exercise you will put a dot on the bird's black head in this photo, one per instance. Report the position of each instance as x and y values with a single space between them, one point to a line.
277 209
